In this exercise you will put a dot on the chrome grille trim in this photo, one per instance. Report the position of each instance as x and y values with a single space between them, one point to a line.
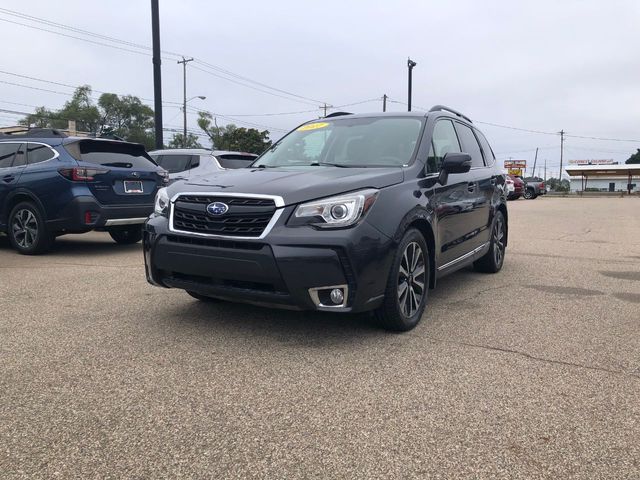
278 201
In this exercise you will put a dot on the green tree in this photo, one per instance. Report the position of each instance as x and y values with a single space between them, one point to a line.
230 137
81 109
635 158
177 142
557 186
208 125
125 117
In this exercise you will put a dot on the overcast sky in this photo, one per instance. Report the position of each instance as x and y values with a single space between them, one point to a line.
544 65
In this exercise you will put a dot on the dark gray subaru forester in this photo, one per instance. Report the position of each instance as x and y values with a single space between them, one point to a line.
349 213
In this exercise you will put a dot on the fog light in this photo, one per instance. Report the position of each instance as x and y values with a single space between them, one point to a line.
336 296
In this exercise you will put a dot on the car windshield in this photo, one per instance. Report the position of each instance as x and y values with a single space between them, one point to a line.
347 142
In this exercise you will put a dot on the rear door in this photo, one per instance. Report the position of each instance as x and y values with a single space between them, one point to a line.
123 173
480 188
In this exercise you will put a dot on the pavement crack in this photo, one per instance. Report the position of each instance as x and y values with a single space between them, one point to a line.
536 358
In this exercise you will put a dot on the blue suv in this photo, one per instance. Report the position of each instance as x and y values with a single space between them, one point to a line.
53 184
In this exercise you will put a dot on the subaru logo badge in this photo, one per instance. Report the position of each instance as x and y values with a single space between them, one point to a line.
135 174
217 208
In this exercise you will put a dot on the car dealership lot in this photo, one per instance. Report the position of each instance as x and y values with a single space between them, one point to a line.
532 372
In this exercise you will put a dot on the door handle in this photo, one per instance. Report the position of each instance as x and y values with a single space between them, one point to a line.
8 178
471 186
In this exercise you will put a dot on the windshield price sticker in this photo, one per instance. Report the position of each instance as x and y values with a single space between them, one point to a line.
313 126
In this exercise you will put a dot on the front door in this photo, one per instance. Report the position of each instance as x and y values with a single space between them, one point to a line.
12 163
453 202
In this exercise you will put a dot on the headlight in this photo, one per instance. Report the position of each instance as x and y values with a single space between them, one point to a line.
333 212
162 202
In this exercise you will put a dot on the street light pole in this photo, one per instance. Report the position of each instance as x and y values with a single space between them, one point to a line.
184 62
410 65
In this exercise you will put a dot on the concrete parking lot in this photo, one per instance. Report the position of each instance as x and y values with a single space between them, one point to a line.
530 373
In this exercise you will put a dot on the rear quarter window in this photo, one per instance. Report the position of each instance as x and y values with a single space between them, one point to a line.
111 154
235 160
37 153
176 163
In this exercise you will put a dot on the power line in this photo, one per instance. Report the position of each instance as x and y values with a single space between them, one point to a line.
602 138
246 79
146 52
35 88
62 26
251 86
74 37
301 111
68 86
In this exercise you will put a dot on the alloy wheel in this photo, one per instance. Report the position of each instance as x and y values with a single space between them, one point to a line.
411 279
24 228
498 241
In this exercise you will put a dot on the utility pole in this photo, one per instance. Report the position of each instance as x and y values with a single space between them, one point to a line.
534 162
561 153
157 80
545 171
384 102
184 62
410 65
324 108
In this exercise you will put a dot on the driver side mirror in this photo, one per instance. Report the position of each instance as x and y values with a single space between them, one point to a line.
454 163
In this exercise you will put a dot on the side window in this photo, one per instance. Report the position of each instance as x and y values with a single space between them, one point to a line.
21 157
489 157
37 153
7 154
470 145
174 163
444 140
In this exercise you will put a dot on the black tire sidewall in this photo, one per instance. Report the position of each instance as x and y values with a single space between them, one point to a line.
498 215
43 237
126 235
390 314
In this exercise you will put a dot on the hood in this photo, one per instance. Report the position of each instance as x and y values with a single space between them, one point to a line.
293 185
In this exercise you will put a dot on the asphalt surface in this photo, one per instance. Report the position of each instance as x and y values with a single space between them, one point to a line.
530 373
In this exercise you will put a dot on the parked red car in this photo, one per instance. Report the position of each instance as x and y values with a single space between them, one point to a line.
515 187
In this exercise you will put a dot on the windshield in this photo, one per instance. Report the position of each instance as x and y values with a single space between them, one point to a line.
347 142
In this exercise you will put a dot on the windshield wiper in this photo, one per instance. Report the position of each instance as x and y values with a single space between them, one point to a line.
328 164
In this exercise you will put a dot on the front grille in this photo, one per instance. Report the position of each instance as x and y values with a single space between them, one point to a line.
246 217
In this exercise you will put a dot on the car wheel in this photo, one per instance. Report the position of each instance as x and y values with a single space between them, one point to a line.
492 261
126 235
28 232
202 298
407 286
529 194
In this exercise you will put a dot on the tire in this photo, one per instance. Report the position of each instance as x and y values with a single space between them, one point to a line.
202 298
27 230
493 260
126 235
529 194
403 307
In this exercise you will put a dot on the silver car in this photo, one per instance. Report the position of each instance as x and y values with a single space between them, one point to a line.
184 163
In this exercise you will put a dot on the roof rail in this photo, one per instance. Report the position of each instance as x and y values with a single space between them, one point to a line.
35 133
338 114
442 108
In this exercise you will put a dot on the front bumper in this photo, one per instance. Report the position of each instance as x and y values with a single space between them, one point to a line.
85 213
285 269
